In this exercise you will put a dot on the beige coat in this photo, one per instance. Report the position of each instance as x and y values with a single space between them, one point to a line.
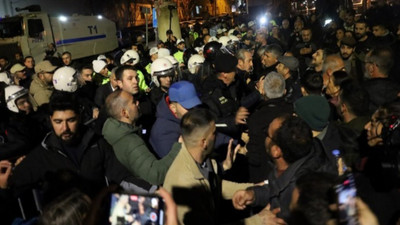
40 91
192 192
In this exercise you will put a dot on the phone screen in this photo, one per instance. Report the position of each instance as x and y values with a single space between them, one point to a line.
136 209
347 193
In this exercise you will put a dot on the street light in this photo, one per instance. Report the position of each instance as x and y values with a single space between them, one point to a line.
63 18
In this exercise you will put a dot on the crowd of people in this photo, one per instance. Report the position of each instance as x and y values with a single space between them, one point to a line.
241 122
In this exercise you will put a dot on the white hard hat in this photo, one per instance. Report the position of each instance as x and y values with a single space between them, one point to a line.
230 32
224 40
161 67
64 79
234 38
213 38
171 59
130 55
98 65
162 52
180 41
101 57
153 50
5 78
194 62
12 93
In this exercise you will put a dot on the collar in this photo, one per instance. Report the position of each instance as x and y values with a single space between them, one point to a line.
52 142
191 164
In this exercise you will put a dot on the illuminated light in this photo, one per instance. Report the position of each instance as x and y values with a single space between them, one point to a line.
99 17
63 18
263 20
327 21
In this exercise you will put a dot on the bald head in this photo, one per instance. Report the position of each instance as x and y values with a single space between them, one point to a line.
332 63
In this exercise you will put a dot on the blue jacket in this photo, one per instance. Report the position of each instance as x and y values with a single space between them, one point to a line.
166 130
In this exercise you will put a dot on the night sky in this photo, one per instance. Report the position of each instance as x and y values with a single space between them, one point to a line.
54 7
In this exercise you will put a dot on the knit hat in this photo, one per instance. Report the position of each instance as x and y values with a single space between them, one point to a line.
290 62
314 110
98 65
225 63
184 93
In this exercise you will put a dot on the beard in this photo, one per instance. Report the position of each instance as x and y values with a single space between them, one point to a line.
345 56
359 36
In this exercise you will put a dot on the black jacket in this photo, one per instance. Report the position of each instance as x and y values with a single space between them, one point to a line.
279 190
22 132
92 159
101 94
381 91
223 101
258 123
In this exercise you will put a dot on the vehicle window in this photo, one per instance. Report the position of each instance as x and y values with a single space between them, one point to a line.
35 27
11 27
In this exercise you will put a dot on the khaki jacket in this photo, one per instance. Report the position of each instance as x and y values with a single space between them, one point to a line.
192 192
40 91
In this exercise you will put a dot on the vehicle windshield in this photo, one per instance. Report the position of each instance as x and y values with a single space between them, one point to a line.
11 27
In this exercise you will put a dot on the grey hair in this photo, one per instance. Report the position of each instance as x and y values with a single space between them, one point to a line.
261 51
240 55
382 58
115 103
275 50
274 85
330 62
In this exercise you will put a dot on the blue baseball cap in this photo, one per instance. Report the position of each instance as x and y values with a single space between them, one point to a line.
184 93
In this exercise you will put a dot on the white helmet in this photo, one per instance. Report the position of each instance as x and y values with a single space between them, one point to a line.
130 55
212 38
224 40
162 52
12 93
230 32
172 60
234 38
65 79
5 78
161 67
194 62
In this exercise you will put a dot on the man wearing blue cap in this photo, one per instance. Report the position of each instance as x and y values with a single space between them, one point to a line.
166 130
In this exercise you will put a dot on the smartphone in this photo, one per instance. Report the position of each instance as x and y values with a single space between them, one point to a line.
347 207
136 209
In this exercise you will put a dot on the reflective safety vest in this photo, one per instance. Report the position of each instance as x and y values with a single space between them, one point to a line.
148 68
179 56
142 82
195 34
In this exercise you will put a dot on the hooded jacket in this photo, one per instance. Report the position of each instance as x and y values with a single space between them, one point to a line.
133 153
92 159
